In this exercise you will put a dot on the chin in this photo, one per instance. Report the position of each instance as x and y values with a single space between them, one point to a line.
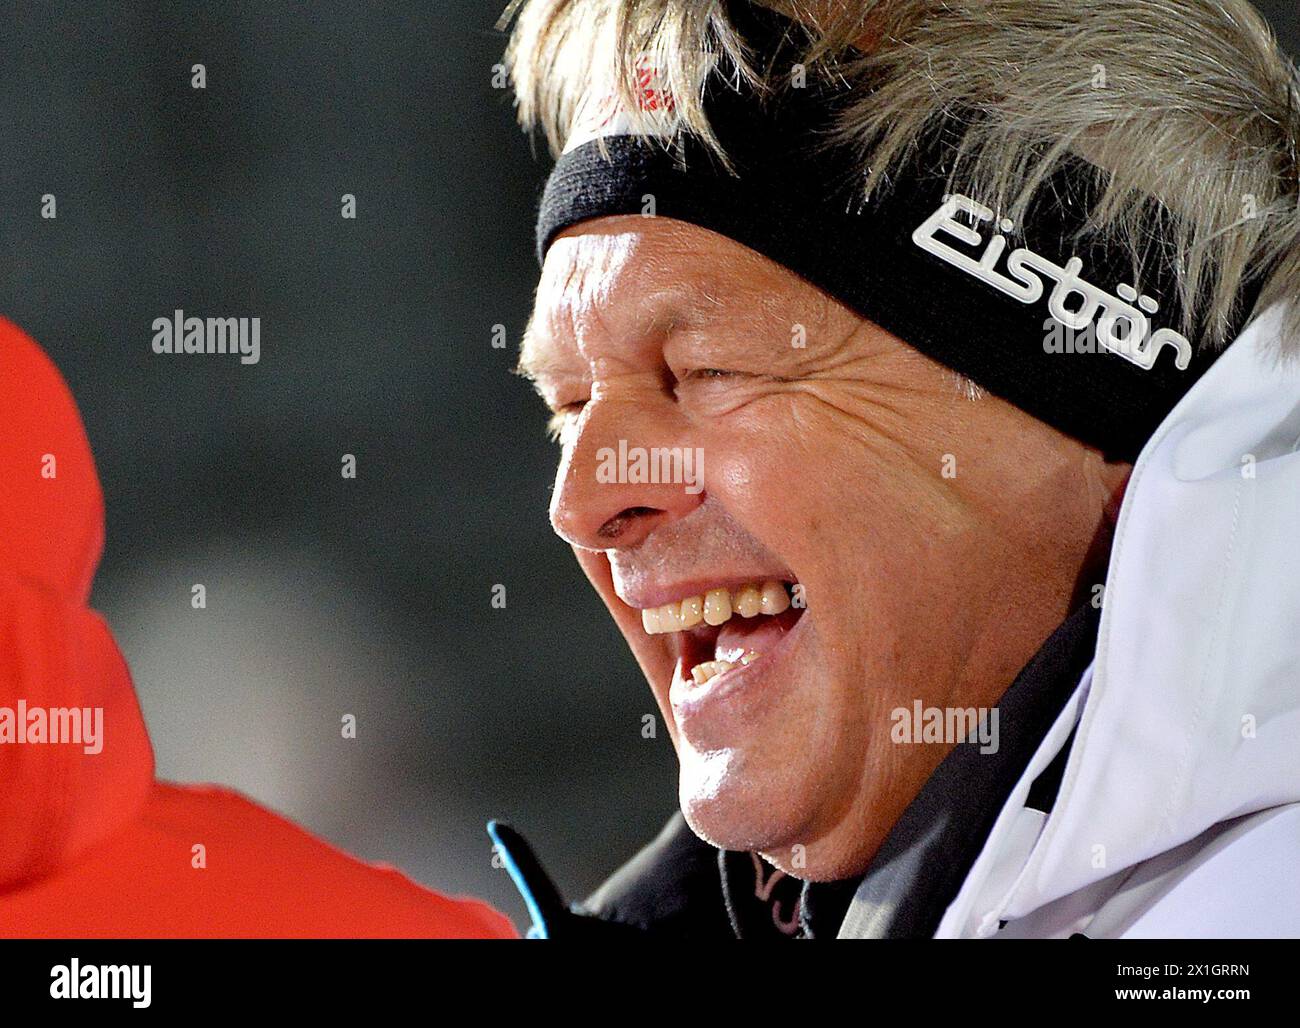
734 805
774 796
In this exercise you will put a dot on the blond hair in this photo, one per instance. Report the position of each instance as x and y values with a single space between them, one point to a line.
1188 107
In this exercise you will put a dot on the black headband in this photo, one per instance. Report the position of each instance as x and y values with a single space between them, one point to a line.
1008 306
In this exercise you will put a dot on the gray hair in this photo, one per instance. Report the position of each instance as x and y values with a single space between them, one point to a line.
1188 108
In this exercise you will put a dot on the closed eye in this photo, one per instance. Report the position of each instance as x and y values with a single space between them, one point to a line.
715 374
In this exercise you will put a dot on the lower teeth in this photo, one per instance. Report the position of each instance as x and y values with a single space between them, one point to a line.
712 668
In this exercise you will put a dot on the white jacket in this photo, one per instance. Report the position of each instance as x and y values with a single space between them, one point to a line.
1179 811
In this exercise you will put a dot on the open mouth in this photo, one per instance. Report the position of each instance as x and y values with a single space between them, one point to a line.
722 629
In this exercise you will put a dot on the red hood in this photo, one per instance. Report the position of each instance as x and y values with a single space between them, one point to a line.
90 845
56 800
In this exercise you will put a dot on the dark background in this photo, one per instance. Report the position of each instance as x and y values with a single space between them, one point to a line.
325 595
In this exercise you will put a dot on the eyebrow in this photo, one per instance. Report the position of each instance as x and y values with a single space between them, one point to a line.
533 363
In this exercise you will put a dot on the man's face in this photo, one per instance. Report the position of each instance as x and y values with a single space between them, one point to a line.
934 540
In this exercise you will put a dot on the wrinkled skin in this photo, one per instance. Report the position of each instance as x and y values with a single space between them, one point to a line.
824 463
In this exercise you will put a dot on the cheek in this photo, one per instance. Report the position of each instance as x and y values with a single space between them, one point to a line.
810 482
866 521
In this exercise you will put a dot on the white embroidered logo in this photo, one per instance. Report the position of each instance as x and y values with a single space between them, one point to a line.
1024 282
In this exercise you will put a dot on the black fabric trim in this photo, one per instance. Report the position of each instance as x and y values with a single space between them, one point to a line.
823 907
670 888
1042 794
762 902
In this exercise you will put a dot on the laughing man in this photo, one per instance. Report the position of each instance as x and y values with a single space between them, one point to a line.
983 621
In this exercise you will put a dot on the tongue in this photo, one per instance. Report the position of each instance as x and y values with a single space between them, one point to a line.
757 634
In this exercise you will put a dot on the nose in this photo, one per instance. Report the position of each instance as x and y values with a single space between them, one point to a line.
623 474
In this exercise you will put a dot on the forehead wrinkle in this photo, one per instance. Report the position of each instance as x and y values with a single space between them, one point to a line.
586 306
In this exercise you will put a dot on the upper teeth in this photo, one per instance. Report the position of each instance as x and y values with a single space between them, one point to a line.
715 607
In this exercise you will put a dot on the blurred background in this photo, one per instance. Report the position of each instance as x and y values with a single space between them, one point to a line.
327 596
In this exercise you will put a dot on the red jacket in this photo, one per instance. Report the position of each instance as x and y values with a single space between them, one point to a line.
91 844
